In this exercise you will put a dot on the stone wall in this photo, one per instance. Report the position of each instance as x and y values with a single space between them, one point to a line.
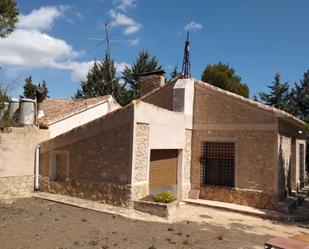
140 186
150 82
186 185
15 185
289 157
213 107
257 199
284 165
218 117
99 159
162 98
109 193
141 152
255 157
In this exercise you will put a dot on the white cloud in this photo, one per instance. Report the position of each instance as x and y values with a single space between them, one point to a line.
133 42
79 70
43 18
28 46
120 66
125 4
193 26
121 20
33 48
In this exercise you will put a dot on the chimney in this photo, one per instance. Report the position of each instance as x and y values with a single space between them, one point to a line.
151 80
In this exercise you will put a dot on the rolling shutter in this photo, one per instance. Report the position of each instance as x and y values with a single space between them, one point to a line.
163 168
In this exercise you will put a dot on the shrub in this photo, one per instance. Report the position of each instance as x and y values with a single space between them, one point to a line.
164 197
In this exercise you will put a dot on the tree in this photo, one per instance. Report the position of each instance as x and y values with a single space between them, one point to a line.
3 97
101 80
300 98
143 64
175 73
8 17
279 96
223 76
29 88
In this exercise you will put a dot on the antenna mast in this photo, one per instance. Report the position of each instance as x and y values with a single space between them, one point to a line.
186 66
108 56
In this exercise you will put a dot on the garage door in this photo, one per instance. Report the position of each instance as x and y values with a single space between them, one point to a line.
163 170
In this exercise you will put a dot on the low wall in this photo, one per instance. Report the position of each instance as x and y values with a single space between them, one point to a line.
165 210
15 185
17 150
257 199
113 194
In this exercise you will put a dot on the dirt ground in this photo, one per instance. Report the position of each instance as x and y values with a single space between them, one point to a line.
40 224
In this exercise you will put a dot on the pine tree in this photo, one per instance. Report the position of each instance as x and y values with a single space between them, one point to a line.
41 95
101 80
175 73
300 98
46 91
29 88
279 94
224 76
8 17
143 64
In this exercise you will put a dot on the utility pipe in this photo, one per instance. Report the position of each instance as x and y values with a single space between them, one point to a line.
37 167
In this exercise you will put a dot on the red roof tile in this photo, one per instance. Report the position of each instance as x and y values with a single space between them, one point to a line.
57 109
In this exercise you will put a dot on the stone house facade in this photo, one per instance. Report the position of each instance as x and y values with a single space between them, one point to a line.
18 145
182 136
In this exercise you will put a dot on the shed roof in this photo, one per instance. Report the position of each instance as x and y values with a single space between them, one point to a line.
58 109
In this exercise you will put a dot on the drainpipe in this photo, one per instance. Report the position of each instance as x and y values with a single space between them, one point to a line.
37 166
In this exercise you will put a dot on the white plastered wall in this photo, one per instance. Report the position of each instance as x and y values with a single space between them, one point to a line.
83 117
167 129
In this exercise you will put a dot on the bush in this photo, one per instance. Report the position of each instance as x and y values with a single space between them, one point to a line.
164 197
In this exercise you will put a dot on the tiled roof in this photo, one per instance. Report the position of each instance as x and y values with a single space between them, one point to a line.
57 109
280 113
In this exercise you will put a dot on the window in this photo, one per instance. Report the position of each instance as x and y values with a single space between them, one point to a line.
59 166
302 165
61 162
217 163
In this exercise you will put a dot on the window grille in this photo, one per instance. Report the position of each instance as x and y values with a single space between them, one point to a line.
302 165
217 163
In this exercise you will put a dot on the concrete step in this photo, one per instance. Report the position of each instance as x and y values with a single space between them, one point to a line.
304 190
305 203
300 197
287 205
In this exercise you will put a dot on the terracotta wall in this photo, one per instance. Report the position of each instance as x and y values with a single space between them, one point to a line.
99 159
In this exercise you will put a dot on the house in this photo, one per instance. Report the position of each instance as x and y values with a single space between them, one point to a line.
18 146
181 136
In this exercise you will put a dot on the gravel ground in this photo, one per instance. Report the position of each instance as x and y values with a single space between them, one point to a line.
35 223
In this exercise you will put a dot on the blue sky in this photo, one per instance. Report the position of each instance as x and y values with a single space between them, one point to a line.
258 38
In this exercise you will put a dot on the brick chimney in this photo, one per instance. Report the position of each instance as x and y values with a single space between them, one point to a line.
151 80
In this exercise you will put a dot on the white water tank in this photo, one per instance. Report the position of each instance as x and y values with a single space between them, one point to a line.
13 108
27 111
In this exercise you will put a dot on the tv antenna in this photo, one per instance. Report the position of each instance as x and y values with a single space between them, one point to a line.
107 56
186 65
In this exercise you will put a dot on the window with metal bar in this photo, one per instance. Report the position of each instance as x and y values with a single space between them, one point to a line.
302 165
217 163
